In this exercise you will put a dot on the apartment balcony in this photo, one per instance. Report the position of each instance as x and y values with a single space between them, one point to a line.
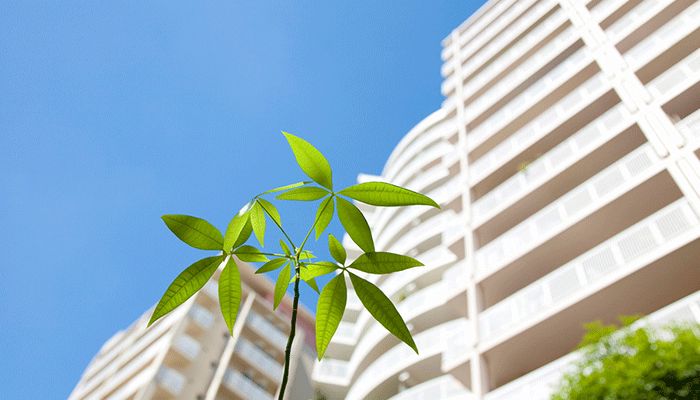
549 168
412 240
677 36
642 20
380 379
677 79
243 387
547 90
690 127
201 320
548 313
603 9
169 382
541 383
257 359
564 37
266 330
505 38
367 339
445 387
558 119
183 351
427 158
475 33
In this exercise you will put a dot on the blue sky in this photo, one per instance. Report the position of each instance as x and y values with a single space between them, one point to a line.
114 113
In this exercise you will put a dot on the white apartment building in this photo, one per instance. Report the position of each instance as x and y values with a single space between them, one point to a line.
190 355
565 159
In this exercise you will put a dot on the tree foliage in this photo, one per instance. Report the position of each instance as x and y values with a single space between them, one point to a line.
654 363
294 259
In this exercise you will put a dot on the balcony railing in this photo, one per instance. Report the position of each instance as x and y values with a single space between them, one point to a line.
576 277
243 386
590 195
201 315
682 75
187 346
525 70
553 79
445 387
541 383
170 380
258 358
635 18
430 342
425 157
606 7
690 126
477 33
664 38
266 329
564 155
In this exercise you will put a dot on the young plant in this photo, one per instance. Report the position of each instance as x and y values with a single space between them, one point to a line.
295 260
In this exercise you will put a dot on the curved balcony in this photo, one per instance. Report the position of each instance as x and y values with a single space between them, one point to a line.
421 232
543 125
504 37
541 383
422 309
422 161
664 38
445 387
258 359
613 257
553 80
474 33
678 78
525 70
243 386
552 163
603 188
431 343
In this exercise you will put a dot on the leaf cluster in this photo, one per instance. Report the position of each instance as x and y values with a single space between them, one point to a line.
297 263
647 363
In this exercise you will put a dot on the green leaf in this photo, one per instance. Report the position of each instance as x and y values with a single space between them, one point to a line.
381 308
329 312
230 292
355 224
306 277
383 263
245 233
185 285
257 219
272 265
324 214
194 231
285 248
249 254
279 189
311 161
306 255
281 285
320 268
387 195
271 210
234 230
337 250
306 193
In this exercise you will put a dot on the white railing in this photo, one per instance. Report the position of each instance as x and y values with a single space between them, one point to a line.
430 343
563 156
170 380
445 387
257 357
682 75
201 315
606 7
541 226
212 289
421 232
690 126
125 372
416 164
541 383
612 256
488 24
187 346
240 384
266 329
539 127
553 79
663 38
635 18
523 71
505 37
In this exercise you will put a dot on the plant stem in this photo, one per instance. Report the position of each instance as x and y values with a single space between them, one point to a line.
292 331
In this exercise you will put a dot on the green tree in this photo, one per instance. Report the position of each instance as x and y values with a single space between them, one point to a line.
296 262
650 362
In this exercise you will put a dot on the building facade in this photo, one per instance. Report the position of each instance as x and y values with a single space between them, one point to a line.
189 353
565 160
